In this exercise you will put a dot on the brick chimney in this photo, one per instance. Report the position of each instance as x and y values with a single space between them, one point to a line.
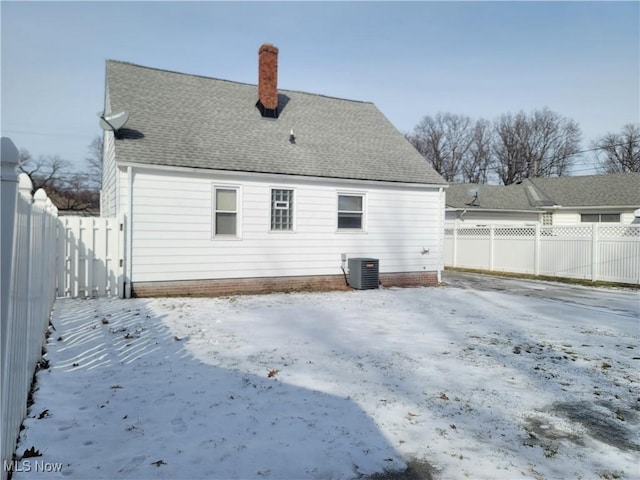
268 81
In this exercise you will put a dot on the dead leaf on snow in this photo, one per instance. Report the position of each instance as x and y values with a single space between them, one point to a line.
443 396
272 373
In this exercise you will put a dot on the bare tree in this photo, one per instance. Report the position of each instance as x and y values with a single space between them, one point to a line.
543 144
67 190
619 152
475 168
444 141
94 161
47 172
510 136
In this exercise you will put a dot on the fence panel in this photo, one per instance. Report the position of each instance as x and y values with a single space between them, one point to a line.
566 251
607 252
513 249
473 247
91 262
28 290
618 253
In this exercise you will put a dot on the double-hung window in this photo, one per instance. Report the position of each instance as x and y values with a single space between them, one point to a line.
225 205
281 209
350 211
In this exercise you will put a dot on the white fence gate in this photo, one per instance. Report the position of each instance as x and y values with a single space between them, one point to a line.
28 262
90 257
598 251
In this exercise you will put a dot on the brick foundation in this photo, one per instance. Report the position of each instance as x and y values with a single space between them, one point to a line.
409 279
244 286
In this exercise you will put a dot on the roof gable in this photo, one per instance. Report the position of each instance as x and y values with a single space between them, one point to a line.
191 121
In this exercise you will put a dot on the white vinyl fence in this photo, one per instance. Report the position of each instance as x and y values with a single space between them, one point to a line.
90 262
599 251
28 256
42 257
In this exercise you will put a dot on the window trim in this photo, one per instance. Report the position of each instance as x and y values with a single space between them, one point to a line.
292 212
363 212
224 236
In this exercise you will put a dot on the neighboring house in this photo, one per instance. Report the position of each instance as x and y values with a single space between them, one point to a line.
547 201
229 187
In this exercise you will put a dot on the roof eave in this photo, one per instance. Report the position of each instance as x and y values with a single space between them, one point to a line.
249 174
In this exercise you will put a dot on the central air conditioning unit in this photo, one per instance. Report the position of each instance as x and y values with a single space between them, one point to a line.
363 273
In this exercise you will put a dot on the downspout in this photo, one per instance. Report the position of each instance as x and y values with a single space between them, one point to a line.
129 257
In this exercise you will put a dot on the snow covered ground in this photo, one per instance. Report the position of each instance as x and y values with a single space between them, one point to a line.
479 384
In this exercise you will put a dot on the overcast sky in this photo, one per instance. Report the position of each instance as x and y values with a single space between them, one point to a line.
580 59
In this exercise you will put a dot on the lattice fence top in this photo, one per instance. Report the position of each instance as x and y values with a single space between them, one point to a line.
619 230
514 232
474 232
567 231
557 231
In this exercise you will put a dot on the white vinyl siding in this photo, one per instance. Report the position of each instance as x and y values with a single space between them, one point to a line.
471 218
172 217
108 201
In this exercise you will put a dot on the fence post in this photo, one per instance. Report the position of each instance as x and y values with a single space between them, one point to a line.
9 190
8 194
536 251
455 244
594 251
492 233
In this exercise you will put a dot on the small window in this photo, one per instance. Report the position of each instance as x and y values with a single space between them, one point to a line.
281 209
600 218
610 217
547 218
226 211
350 211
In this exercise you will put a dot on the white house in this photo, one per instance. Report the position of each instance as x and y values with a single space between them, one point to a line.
229 187
547 201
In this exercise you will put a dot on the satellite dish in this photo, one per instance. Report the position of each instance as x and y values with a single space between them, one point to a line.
474 192
113 122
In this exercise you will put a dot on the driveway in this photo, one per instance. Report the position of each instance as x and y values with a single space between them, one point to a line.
624 301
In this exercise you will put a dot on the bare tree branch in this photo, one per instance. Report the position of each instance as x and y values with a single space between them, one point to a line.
543 144
619 152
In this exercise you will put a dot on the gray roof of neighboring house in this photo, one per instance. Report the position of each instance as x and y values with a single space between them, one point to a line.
192 121
592 190
537 193
490 197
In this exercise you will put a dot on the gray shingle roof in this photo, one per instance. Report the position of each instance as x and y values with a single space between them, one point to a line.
583 191
491 197
192 121
592 190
